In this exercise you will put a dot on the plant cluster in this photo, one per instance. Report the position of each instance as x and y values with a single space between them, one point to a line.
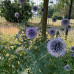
37 57
8 10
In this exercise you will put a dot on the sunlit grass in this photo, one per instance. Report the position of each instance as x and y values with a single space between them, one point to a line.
10 39
8 30
49 21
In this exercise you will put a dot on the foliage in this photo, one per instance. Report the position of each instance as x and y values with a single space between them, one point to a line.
8 9
64 6
31 56
57 12
50 9
53 11
57 15
39 8
63 3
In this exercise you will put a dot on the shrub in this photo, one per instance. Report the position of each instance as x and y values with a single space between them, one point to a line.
57 15
8 9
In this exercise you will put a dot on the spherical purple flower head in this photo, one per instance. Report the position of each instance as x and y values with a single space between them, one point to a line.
72 48
54 19
43 9
69 27
66 67
35 8
22 1
63 29
16 14
52 31
72 54
56 47
31 32
65 22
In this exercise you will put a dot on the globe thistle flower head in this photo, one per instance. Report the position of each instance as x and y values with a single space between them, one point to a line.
66 67
65 22
31 32
72 48
52 31
43 9
69 27
72 54
35 8
63 29
16 14
56 47
22 1
54 19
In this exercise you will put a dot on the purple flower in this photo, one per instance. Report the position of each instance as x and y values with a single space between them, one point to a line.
43 9
72 54
65 22
69 27
63 29
16 14
52 31
54 19
22 1
31 32
66 67
56 47
72 48
35 8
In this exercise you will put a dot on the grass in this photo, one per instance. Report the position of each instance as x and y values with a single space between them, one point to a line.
49 21
10 29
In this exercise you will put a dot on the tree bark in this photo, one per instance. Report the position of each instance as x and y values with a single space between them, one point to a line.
44 19
69 16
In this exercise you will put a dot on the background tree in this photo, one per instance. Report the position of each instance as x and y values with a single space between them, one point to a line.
44 20
40 6
50 9
8 9
69 4
56 11
64 6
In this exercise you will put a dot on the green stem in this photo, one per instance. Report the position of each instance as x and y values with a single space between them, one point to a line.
43 56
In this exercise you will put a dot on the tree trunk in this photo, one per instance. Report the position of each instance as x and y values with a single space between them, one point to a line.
69 16
44 19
